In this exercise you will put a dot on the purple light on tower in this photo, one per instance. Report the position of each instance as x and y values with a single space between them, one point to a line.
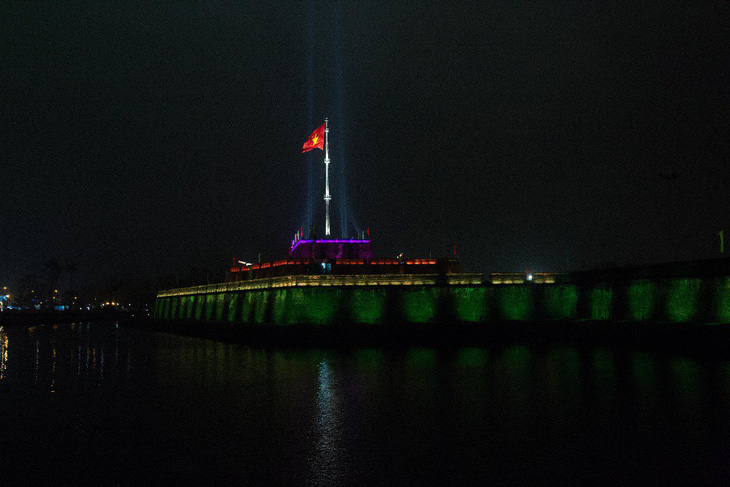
332 249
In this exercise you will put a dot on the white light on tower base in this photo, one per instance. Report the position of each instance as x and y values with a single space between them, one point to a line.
327 196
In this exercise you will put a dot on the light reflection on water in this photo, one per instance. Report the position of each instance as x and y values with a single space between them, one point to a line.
154 406
326 465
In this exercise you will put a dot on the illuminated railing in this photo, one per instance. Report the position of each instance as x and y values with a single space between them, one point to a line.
299 262
520 278
329 281
360 280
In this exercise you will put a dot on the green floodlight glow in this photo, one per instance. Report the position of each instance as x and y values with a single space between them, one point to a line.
191 307
641 299
281 305
517 358
600 302
367 305
369 358
676 299
561 301
685 378
419 305
247 306
182 308
722 299
198 307
682 298
219 304
421 358
604 366
232 307
472 357
209 306
516 302
643 368
318 305
261 304
470 303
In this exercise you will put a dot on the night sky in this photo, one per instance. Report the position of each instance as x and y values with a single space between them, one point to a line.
148 139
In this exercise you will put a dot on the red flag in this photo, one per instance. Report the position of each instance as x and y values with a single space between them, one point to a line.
315 141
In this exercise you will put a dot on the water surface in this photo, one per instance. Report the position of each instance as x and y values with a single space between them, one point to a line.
96 403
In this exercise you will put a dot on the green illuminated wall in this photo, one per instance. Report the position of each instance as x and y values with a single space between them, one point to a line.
247 307
600 303
282 305
209 306
721 300
260 305
560 301
367 305
233 304
471 303
682 299
672 300
419 304
641 295
198 307
316 305
515 301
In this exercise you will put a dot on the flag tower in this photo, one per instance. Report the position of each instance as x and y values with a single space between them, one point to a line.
327 196
315 142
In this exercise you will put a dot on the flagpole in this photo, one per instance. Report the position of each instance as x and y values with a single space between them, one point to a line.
327 196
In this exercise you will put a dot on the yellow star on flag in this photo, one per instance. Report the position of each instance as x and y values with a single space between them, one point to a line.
316 140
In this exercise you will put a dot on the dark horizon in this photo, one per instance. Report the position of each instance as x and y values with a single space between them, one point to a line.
143 141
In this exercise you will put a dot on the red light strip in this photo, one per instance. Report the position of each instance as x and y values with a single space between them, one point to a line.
351 262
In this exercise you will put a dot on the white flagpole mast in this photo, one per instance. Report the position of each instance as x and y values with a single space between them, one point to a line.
327 196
